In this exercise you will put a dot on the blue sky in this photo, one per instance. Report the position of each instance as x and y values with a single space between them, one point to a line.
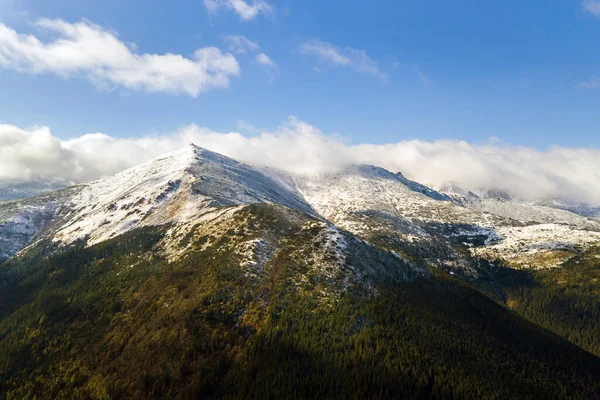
375 72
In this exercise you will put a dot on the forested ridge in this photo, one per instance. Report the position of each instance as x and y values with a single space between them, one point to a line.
565 300
117 320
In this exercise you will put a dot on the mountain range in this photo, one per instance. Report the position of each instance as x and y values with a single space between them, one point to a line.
196 275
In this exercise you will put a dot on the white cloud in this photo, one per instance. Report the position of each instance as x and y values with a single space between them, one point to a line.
245 10
348 57
28 155
86 50
264 59
592 6
240 44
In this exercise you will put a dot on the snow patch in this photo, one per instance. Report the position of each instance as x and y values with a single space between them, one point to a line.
538 246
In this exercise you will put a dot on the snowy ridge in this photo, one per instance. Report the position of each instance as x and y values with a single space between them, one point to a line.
538 246
20 227
353 198
541 210
583 209
178 187
193 186
533 213
24 221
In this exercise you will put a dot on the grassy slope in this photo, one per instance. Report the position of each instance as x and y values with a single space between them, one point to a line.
117 321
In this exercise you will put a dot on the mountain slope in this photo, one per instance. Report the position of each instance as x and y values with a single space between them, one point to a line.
371 202
530 213
346 196
583 209
195 275
23 221
391 212
178 187
565 300
190 185
272 304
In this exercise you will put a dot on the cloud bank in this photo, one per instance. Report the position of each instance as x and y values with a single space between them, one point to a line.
89 51
571 174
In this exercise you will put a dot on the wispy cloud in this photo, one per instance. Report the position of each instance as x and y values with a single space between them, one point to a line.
240 44
86 50
347 57
244 9
589 84
424 78
36 154
248 127
408 68
11 10
592 6
265 60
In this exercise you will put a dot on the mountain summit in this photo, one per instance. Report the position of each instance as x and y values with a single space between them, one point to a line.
179 186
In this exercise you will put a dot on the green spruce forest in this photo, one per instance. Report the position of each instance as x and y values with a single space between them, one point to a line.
117 320
564 300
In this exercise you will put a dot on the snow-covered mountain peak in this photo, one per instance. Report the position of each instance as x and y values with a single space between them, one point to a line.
200 154
186 157
178 187
192 184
